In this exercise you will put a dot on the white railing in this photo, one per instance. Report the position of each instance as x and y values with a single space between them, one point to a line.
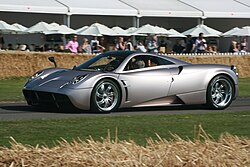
204 54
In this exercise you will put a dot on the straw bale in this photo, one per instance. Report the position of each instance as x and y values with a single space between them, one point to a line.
14 64
203 151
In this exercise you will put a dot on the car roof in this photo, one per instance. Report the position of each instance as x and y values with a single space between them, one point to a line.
134 53
130 54
121 52
125 56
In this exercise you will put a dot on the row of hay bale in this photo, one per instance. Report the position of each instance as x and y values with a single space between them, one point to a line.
15 64
201 152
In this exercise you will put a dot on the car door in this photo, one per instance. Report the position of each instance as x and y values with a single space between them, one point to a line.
145 81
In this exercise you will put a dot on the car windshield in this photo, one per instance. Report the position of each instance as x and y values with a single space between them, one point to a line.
104 62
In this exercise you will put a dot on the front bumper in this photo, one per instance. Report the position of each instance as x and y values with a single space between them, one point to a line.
63 99
47 99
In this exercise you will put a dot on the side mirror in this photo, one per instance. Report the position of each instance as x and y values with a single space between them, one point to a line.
52 59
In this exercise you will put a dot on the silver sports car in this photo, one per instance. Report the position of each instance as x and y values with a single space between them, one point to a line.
121 79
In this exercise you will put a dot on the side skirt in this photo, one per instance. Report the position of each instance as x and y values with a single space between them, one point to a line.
165 101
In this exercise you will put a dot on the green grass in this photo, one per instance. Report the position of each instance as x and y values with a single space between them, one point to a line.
11 88
129 127
244 87
137 128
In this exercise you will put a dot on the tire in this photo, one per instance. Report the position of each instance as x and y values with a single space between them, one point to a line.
220 92
105 97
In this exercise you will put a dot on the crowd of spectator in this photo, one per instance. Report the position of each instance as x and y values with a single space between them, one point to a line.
151 44
199 45
238 47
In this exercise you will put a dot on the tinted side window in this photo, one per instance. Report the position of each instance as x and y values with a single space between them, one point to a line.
164 61
136 62
157 61
144 61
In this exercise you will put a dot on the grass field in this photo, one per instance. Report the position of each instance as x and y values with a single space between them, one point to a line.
11 88
137 128
244 87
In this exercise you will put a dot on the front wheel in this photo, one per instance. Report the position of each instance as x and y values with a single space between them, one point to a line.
220 92
105 97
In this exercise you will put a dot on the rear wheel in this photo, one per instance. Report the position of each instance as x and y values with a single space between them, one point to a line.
220 92
106 96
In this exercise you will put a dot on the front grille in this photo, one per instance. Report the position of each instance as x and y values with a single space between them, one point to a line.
47 99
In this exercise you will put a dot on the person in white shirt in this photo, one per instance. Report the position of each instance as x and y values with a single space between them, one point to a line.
129 45
200 44
95 45
140 47
243 49
153 45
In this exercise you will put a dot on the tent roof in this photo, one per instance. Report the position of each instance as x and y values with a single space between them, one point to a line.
150 29
221 8
175 34
230 32
33 6
60 29
99 7
244 31
207 31
98 29
41 27
120 31
244 2
5 27
19 26
163 8
79 30
144 8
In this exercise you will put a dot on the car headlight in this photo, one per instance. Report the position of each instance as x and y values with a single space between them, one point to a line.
36 75
78 79
75 80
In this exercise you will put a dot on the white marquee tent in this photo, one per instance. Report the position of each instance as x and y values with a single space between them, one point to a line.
98 29
150 29
175 34
207 31
7 28
19 26
120 31
81 29
41 27
136 8
60 29
244 31
230 32
156 8
99 7
163 8
221 8
31 6
131 29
